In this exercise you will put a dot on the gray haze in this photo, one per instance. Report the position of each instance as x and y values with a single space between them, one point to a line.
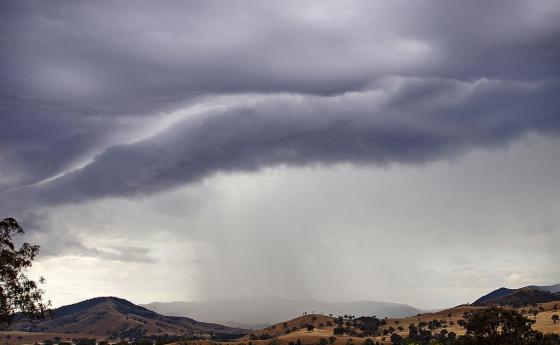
259 311
328 150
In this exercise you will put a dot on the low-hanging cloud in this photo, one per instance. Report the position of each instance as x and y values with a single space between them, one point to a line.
399 120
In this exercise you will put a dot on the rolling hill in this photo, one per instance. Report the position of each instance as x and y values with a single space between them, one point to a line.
111 316
267 310
291 331
522 296
494 295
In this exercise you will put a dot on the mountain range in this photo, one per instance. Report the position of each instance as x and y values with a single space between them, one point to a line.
266 310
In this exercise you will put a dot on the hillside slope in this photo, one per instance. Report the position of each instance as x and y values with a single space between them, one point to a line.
550 288
290 331
519 297
496 294
118 317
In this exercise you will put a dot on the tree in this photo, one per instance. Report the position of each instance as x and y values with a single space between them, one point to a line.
310 327
451 336
498 326
555 318
397 339
84 341
18 294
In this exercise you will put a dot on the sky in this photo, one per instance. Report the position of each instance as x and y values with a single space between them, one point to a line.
338 150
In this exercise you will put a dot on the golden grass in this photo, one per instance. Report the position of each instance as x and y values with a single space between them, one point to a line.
543 323
298 329
20 337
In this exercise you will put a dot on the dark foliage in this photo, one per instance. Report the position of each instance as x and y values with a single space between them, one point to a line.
369 325
84 341
18 294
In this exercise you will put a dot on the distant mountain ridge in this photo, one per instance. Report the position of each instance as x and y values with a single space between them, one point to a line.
550 288
266 310
118 317
496 294
516 297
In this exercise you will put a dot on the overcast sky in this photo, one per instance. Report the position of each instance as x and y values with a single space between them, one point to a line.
405 151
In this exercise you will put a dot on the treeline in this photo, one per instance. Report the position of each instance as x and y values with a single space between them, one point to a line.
145 340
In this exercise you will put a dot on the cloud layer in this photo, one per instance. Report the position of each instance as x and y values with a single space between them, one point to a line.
103 101
398 120
76 77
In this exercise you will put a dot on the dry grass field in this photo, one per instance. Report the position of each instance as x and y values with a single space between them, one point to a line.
321 329
20 338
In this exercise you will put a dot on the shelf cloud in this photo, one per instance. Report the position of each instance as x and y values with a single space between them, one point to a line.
126 100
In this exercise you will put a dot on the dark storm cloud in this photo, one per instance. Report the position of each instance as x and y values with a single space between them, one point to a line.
39 138
315 83
372 126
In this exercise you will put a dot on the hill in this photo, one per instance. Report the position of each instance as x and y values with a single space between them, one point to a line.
296 325
111 316
358 329
549 288
268 310
520 297
106 317
496 294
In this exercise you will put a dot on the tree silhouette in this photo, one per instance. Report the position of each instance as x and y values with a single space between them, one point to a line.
498 326
18 294
555 318
397 339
